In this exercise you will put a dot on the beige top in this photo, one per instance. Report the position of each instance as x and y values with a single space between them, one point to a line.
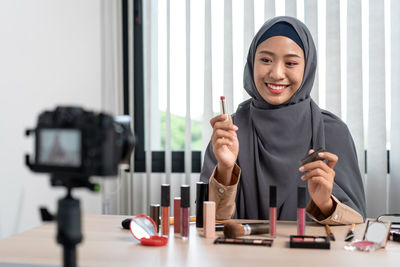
224 197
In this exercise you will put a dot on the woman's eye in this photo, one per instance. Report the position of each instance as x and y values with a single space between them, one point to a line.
265 60
291 64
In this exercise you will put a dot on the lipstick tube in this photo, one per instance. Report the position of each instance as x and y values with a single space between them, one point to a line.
177 215
201 196
301 215
185 210
272 210
165 202
222 105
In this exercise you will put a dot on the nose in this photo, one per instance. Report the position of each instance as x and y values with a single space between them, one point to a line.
277 72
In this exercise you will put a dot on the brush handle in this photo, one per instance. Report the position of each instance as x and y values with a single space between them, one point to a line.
256 228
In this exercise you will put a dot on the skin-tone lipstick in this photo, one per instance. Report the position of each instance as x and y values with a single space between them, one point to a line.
272 210
301 215
165 202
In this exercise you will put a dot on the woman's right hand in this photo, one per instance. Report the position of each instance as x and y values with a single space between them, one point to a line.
225 146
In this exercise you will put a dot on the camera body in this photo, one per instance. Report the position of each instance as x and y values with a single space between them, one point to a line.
70 140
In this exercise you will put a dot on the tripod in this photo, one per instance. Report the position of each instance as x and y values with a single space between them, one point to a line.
69 233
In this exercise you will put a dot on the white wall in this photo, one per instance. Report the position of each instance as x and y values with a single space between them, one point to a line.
50 54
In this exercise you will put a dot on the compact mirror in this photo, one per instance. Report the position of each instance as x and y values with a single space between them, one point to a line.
377 232
143 228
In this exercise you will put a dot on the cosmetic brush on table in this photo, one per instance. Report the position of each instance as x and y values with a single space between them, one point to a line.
350 233
236 229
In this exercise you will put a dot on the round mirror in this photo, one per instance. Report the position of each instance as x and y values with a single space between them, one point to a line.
376 232
142 226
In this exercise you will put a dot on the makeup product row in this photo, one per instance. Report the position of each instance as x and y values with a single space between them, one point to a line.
181 212
301 214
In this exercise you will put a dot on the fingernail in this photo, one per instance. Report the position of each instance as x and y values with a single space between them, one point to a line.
302 177
321 154
301 168
235 127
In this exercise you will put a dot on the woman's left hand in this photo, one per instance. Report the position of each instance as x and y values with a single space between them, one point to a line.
320 177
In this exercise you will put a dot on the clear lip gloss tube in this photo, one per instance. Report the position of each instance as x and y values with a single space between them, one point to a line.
165 202
301 215
185 210
272 210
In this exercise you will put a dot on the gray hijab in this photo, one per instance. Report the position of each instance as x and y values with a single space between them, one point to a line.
272 140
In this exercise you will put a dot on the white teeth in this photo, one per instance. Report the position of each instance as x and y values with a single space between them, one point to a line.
280 87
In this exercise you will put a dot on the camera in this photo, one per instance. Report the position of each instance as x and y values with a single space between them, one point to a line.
70 140
73 144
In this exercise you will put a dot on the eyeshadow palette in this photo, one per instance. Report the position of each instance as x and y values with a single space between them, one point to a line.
304 241
244 241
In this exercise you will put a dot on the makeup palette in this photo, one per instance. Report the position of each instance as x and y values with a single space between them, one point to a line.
244 241
304 241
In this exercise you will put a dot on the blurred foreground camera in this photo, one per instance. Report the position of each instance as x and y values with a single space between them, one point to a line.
73 141
73 144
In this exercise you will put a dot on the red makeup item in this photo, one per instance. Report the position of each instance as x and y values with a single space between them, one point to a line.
301 215
272 210
185 210
165 202
177 215
144 229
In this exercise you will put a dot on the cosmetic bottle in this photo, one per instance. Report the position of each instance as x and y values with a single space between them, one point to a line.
272 210
201 196
185 210
165 202
155 215
177 215
301 214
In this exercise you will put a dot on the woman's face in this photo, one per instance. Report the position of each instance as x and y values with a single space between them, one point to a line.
278 69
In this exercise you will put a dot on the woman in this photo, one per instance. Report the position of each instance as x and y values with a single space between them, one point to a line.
276 128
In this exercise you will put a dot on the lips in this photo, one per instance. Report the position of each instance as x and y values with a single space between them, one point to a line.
276 88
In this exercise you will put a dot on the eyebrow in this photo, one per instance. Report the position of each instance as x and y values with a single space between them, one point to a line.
272 54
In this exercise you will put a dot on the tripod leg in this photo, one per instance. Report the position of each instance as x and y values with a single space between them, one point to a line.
69 228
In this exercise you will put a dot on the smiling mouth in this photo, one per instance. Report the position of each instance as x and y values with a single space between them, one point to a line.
276 88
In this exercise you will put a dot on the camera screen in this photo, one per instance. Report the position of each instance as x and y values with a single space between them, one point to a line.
60 147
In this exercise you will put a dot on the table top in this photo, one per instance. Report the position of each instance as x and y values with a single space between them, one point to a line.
107 244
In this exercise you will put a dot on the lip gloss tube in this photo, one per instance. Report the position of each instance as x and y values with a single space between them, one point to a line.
272 210
177 215
165 202
155 215
185 210
301 215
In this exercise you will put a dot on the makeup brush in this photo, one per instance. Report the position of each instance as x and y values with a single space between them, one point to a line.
234 230
350 233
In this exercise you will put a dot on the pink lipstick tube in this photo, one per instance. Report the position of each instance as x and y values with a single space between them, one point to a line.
272 210
301 214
